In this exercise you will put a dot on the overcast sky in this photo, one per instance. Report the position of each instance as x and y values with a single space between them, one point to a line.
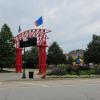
73 22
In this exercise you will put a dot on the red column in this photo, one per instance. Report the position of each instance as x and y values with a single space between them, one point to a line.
18 60
42 53
39 60
44 61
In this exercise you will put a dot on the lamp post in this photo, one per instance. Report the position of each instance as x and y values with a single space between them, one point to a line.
24 75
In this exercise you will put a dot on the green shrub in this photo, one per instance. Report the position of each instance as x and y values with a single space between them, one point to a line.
86 72
92 71
57 71
62 66
83 72
73 73
69 69
97 71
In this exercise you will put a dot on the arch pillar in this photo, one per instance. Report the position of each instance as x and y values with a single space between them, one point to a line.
18 60
42 60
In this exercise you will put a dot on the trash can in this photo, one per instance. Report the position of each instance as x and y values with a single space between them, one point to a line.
31 74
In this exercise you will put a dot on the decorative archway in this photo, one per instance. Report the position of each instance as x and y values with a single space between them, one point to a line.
41 36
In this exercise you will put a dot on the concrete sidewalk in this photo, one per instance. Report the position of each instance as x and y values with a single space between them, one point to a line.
12 76
18 76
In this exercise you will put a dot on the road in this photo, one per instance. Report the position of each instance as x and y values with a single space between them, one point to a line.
76 89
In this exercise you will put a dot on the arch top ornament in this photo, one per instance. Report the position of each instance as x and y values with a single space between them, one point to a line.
40 34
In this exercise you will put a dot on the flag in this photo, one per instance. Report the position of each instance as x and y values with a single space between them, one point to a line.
39 21
19 29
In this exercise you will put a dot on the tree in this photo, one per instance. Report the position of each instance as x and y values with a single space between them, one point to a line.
55 55
7 49
70 60
92 53
31 57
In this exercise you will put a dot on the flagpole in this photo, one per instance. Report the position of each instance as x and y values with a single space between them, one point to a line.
42 24
35 25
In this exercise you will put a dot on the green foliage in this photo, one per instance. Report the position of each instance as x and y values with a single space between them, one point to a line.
92 53
5 33
7 49
55 55
70 60
97 69
61 66
84 72
31 57
57 71
87 72
63 69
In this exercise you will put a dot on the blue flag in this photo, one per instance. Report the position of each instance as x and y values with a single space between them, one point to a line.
39 21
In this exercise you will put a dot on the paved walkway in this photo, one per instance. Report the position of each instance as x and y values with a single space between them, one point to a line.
17 76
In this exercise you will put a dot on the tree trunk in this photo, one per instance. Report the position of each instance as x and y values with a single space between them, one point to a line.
1 69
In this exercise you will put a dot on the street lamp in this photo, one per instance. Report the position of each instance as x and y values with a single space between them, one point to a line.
24 75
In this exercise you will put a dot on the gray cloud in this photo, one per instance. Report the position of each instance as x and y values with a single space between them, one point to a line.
72 21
